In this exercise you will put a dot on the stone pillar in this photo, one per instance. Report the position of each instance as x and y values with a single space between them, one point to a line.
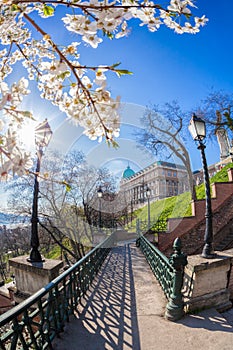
230 174
223 141
30 277
206 283
229 253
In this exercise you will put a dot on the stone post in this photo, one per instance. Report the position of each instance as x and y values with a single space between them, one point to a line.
31 277
206 283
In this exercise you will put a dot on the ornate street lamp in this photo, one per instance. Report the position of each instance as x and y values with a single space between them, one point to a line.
197 129
43 135
148 193
100 195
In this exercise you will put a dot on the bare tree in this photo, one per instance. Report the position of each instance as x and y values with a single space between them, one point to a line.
66 192
164 134
14 240
217 110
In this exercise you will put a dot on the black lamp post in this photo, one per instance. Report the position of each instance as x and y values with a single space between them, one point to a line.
148 192
100 195
197 129
131 211
43 135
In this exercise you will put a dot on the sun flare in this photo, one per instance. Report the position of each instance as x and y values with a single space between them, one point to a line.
27 135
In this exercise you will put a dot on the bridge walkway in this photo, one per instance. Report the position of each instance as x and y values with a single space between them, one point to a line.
124 310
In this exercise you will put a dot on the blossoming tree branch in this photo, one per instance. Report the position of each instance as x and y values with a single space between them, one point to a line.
62 78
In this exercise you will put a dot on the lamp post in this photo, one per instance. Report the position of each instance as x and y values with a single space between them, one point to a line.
100 195
43 135
131 211
148 192
197 129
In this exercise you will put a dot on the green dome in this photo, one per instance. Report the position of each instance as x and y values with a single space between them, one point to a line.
128 172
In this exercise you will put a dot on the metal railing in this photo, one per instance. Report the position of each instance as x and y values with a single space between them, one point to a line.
169 273
159 264
34 323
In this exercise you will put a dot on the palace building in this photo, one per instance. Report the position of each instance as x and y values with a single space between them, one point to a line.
160 179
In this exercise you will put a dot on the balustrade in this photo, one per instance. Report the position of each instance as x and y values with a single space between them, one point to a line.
169 273
34 323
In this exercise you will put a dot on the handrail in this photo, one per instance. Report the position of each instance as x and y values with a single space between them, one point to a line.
169 273
34 323
159 264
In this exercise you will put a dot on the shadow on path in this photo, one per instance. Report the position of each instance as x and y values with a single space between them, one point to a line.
208 319
107 317
124 310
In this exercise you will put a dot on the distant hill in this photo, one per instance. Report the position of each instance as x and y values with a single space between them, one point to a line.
9 219
6 218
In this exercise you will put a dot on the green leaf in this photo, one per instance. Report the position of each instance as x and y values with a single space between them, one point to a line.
48 10
121 72
112 143
68 186
173 14
28 114
63 75
14 7
110 35
114 65
188 15
115 144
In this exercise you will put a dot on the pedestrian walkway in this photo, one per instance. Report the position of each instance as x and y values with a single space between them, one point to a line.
124 310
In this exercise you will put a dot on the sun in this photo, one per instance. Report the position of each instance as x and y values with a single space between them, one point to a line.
27 134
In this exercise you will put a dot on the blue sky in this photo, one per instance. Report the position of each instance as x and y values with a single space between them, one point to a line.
168 66
165 66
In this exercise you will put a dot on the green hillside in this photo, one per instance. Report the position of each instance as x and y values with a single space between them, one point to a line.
178 206
221 176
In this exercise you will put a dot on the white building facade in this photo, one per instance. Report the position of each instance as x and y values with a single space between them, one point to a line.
162 179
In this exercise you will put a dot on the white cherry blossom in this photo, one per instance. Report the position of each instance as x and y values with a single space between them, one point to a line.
79 91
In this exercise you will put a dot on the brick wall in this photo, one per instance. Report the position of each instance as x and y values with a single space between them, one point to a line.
192 228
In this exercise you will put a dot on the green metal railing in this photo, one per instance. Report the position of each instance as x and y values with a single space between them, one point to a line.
169 273
34 323
159 263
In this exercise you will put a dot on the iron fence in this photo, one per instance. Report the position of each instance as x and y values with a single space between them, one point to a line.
160 265
34 323
169 273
